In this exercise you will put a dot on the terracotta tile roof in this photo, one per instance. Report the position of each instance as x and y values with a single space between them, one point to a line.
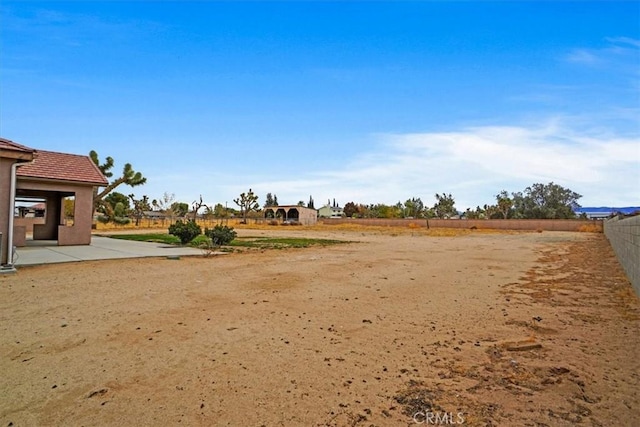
63 167
7 144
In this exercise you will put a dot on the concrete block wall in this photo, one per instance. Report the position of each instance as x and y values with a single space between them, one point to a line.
624 236
492 224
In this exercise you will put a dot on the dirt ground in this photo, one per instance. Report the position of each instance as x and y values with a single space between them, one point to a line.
397 328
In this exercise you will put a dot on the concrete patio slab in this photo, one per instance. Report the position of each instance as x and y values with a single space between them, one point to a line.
100 248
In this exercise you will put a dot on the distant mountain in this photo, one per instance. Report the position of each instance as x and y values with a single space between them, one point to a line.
603 211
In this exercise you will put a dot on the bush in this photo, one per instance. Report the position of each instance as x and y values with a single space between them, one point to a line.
185 231
103 219
121 220
118 220
221 234
200 240
591 228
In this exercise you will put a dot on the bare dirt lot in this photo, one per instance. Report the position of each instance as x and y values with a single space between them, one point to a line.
394 329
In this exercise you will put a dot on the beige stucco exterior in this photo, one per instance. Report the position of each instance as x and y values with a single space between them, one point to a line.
53 227
51 180
7 159
299 214
5 201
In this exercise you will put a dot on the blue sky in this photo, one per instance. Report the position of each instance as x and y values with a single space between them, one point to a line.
371 102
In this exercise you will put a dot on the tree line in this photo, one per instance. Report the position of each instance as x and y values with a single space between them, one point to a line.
538 201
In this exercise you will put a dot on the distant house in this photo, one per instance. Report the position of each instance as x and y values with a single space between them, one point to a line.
331 211
154 215
291 214
605 212
34 211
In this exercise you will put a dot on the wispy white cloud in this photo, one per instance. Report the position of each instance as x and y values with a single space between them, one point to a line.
624 41
73 29
474 164
583 56
617 52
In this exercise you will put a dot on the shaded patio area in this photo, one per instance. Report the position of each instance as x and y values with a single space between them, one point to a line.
38 252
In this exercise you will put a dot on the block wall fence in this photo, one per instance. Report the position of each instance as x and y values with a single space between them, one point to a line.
492 224
624 236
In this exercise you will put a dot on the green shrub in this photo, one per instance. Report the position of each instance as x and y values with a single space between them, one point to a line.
103 219
121 220
221 234
200 240
185 231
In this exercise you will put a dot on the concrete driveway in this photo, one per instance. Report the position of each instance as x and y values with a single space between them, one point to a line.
100 248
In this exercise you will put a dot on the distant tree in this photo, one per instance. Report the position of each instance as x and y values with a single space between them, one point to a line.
180 209
69 208
350 209
302 204
220 211
491 212
445 206
196 206
164 204
310 205
116 197
546 201
129 177
414 207
386 211
108 206
247 202
476 213
139 207
119 211
429 213
209 213
504 203
271 200
366 211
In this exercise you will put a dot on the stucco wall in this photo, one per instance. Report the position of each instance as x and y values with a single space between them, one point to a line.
5 200
308 216
80 232
624 236
494 224
77 234
27 223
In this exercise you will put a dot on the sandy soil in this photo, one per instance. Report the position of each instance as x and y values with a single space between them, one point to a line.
520 329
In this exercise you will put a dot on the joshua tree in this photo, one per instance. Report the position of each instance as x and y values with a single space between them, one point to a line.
248 202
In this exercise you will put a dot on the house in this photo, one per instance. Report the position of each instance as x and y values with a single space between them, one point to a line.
27 173
154 215
331 211
605 212
291 214
33 211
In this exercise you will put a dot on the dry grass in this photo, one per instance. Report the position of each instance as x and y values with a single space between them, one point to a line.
410 229
591 228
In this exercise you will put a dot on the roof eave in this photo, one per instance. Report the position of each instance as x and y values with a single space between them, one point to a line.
61 181
23 156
